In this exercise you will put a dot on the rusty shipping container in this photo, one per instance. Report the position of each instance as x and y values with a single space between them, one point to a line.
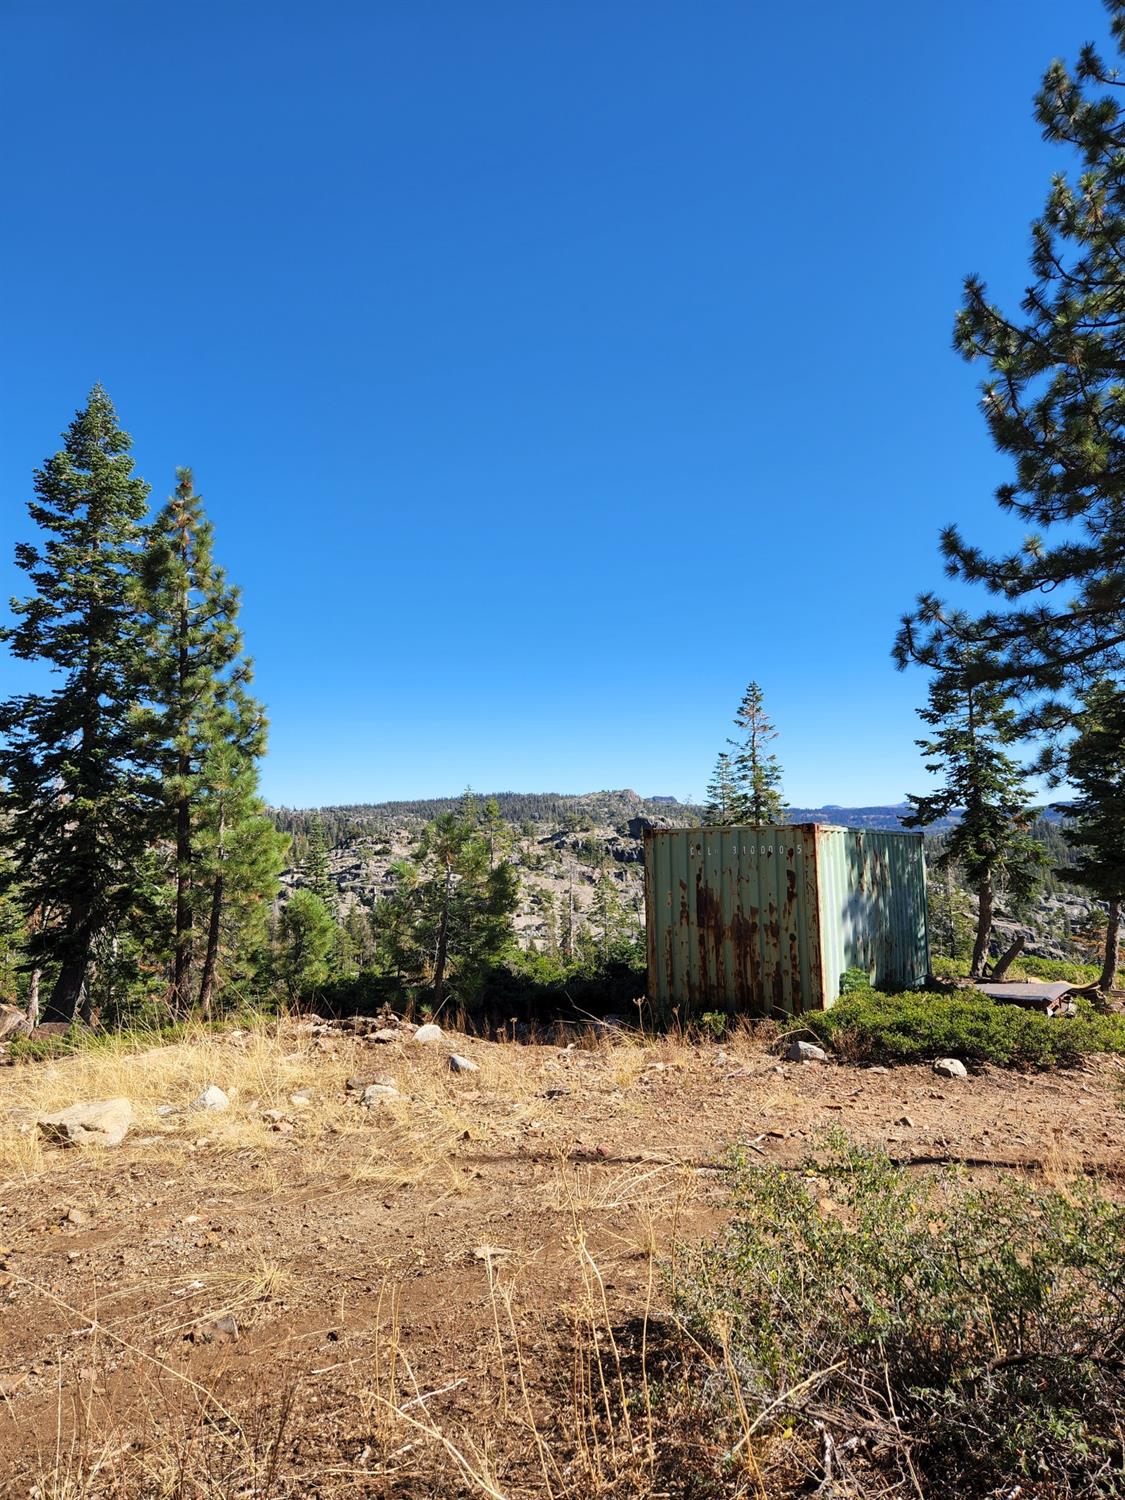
766 921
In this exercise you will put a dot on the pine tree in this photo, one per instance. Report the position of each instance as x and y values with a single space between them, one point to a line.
724 801
757 774
495 831
193 662
238 854
607 919
983 788
307 938
1096 769
1055 403
69 763
317 878
465 907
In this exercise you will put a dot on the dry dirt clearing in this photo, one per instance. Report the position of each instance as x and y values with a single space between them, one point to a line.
462 1290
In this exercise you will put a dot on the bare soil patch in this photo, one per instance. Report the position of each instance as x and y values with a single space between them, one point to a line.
441 1294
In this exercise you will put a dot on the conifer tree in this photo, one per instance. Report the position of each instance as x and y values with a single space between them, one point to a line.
238 854
724 800
983 788
307 938
756 771
607 919
69 762
465 907
1096 769
495 832
317 878
1054 401
192 664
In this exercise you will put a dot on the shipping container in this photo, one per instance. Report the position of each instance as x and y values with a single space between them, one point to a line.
766 921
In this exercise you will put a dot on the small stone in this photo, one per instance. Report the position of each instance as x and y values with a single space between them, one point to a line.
951 1067
103 1122
428 1033
459 1064
806 1052
165 1109
75 1216
384 1035
212 1097
274 1116
224 1329
905 1120
283 1127
300 1101
379 1093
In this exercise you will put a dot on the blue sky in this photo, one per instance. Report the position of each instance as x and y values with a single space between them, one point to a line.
549 370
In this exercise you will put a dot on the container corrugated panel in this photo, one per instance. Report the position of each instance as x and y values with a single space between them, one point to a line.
732 920
765 921
872 887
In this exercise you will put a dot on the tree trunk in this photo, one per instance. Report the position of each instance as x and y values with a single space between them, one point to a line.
69 990
443 937
182 958
1112 946
984 926
1004 963
33 998
207 980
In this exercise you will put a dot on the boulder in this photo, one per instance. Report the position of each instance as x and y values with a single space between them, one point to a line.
102 1122
459 1064
951 1067
806 1052
428 1033
13 1023
212 1097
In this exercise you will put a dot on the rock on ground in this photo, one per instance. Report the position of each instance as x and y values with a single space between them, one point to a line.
460 1064
102 1122
212 1097
428 1033
378 1093
806 1052
13 1023
951 1067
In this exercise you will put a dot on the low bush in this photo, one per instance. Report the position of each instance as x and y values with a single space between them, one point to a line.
1027 967
890 1329
915 1026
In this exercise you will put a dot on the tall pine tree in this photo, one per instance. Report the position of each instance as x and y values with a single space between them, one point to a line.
756 769
1054 401
69 762
192 664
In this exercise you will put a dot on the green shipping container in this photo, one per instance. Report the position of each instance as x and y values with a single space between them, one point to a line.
766 921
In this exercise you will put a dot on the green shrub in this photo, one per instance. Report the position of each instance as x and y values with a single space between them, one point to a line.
948 968
924 1333
714 1023
1026 967
915 1026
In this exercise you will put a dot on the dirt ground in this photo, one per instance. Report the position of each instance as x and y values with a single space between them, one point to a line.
424 1297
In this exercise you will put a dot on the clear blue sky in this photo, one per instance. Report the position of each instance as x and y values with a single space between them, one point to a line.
549 370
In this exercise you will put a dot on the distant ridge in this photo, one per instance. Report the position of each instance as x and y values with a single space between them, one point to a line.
602 809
